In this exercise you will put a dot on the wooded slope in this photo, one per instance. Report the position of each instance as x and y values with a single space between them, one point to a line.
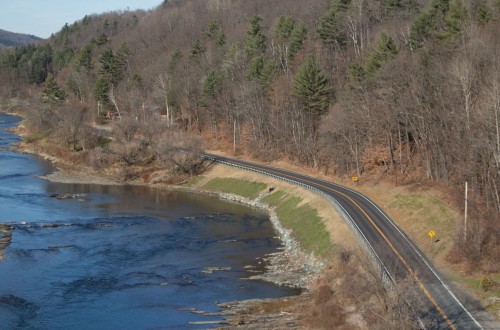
403 88
9 39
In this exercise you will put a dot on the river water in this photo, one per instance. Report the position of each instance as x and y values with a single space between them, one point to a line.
119 257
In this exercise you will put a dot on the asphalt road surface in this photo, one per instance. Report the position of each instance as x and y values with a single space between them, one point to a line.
399 257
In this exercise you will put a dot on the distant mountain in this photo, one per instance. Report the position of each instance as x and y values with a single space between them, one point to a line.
15 39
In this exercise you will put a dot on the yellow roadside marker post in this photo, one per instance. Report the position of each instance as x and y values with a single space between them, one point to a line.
431 234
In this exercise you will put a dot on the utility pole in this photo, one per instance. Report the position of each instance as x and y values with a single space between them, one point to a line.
465 214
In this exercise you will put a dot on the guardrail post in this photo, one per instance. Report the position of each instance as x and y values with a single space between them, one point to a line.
386 276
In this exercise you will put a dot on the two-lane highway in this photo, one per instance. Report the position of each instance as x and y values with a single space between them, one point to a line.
392 248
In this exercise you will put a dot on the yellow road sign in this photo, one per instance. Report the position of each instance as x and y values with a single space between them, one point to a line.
432 234
355 178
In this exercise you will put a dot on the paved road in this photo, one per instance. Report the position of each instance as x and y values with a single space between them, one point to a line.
399 256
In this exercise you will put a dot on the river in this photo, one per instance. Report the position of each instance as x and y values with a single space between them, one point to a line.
120 257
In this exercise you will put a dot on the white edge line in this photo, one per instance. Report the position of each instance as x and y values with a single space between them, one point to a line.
409 242
425 261
350 220
414 249
412 246
343 210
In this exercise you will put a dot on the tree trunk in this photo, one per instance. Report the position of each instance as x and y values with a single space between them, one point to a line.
234 138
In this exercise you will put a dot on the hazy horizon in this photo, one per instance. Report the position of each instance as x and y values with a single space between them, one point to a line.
42 18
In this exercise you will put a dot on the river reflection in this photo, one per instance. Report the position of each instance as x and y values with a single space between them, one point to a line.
118 257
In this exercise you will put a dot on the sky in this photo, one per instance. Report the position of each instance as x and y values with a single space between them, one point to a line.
44 17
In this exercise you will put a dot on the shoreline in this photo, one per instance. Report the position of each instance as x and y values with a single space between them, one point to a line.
81 174
396 204
289 266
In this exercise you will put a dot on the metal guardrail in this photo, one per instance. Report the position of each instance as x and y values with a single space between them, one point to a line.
387 277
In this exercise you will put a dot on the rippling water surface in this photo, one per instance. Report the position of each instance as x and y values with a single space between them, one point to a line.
119 257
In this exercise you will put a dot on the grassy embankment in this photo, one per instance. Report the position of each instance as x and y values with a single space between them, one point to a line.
416 211
307 226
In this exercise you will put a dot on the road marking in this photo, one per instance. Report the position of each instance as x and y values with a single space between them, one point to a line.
407 240
420 255
415 276
412 272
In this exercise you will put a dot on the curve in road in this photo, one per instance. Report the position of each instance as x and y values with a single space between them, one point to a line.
397 255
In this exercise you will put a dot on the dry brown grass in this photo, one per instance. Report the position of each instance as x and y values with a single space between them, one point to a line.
285 305
350 295
416 209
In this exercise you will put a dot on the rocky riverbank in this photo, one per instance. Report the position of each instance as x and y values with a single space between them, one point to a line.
5 239
256 314
290 266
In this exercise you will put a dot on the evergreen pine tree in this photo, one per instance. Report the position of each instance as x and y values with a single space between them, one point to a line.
196 48
210 83
357 73
297 37
423 27
114 66
174 59
454 20
482 13
286 24
102 40
107 60
122 57
255 42
101 89
262 69
213 27
86 20
312 88
41 58
220 40
441 6
386 50
330 28
85 58
52 91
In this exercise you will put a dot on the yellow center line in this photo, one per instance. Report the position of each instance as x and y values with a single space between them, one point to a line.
415 276
412 272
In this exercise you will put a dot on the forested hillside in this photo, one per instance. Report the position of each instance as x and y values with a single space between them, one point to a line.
405 89
10 39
